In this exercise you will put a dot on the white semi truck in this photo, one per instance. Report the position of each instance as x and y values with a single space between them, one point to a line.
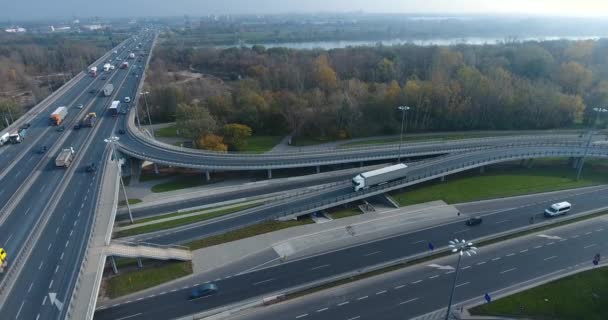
65 157
4 138
106 67
379 176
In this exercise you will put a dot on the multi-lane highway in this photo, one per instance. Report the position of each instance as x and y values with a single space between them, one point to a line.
503 216
67 198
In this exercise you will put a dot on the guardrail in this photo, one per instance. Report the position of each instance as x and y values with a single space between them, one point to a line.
434 173
152 245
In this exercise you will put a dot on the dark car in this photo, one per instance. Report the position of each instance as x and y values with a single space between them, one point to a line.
42 150
76 126
92 91
121 131
60 129
103 78
92 168
203 291
474 221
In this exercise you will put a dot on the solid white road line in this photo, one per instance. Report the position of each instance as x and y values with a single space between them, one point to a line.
589 246
462 284
131 316
302 316
371 254
408 301
21 307
263 281
320 267
343 303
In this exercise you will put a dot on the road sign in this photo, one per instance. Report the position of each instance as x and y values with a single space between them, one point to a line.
488 298
431 246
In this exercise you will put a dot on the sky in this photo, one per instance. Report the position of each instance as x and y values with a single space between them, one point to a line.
40 9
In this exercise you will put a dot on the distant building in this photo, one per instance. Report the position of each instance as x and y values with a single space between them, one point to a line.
15 30
93 27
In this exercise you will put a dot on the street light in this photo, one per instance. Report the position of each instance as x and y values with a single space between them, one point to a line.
462 247
582 161
112 141
147 109
403 110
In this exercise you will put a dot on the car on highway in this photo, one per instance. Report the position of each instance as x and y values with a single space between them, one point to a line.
42 150
60 129
203 291
26 126
474 221
92 91
76 126
91 168
558 209
80 106
127 99
121 131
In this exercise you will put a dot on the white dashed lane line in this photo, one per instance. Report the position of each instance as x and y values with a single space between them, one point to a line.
508 270
589 246
408 301
549 258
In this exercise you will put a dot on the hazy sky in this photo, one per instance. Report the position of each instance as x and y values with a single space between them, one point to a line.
19 9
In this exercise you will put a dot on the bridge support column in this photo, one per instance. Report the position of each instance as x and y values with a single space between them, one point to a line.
529 164
522 162
113 263
139 263
156 169
269 173
574 162
482 170
442 178
318 169
207 175
361 164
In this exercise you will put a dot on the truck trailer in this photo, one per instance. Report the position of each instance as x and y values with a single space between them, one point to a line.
108 89
379 176
124 65
114 108
65 157
106 67
4 138
59 115
89 120
93 71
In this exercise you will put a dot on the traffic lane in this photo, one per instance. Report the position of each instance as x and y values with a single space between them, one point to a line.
414 291
352 258
175 304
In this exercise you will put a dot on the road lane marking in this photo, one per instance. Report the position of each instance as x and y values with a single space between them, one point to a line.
417 281
464 268
433 277
589 246
354 318
38 316
550 243
510 254
67 243
587 233
538 247
399 287
56 269
131 316
61 258
508 270
480 263
408 301
72 231
321 310
501 221
9 237
30 288
302 316
263 281
21 307
599 230
42 189
361 298
44 300
51 284
549 258
319 267
496 259
57 230
49 248
452 271
40 266
371 254
343 303
417 242
575 236
461 231
381 292
27 211
522 251
462 284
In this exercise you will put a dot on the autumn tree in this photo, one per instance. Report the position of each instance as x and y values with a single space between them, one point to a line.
194 121
212 142
236 135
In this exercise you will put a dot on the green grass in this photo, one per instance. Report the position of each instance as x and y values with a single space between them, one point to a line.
580 296
181 182
167 132
151 176
349 212
261 144
247 232
130 282
123 203
178 222
504 181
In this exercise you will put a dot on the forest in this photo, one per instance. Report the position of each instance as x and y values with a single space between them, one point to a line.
32 66
355 92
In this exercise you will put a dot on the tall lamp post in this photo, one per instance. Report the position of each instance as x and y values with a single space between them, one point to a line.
403 109
461 247
112 141
598 111
147 109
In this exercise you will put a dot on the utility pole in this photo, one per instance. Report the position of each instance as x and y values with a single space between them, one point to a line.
589 139
403 109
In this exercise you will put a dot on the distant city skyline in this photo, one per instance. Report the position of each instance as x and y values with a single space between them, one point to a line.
45 9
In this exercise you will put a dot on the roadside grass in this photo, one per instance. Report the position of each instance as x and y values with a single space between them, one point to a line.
151 176
166 132
180 182
246 232
134 281
123 203
344 213
261 144
504 181
178 222
579 296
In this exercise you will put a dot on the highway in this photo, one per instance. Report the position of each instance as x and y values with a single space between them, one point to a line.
417 292
57 255
275 278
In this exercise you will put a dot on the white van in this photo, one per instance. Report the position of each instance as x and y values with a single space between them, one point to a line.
557 209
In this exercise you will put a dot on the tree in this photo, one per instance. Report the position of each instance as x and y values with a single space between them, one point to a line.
574 77
212 142
194 121
325 76
235 135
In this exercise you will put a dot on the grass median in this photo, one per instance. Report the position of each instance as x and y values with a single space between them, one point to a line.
123 203
134 281
261 144
580 296
179 221
504 181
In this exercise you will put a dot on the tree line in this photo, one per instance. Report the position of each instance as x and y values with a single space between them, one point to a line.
355 92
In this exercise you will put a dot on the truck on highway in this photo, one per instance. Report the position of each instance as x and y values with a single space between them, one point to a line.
106 67
93 71
114 108
131 55
59 115
124 65
4 138
379 176
17 136
108 89
3 260
65 157
89 120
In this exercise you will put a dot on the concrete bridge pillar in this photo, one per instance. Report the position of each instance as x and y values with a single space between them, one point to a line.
522 162
318 169
361 164
529 164
139 263
207 175
269 174
156 169
482 169
443 178
113 263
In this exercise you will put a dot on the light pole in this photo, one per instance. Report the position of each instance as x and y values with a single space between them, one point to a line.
403 109
112 141
582 161
147 109
462 247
